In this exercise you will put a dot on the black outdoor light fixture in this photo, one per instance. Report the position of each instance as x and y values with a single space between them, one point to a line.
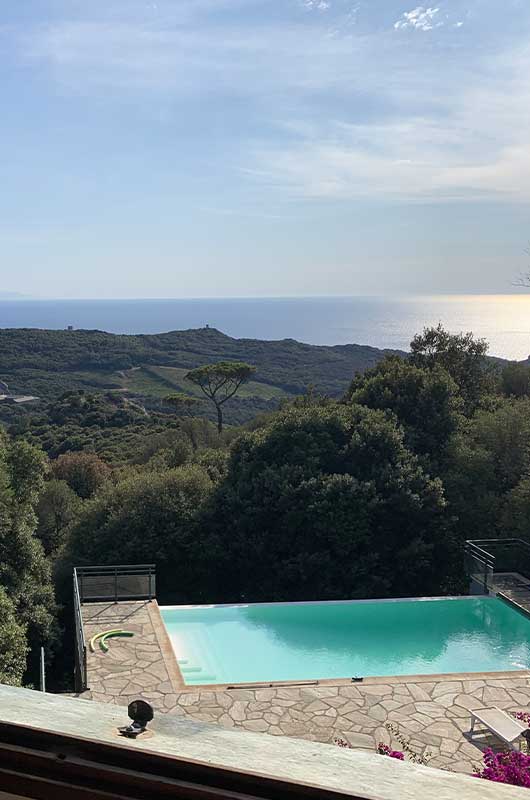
141 713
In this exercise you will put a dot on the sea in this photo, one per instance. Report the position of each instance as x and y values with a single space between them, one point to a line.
384 322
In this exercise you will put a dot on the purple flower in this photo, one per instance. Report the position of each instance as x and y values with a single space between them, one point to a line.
384 750
512 768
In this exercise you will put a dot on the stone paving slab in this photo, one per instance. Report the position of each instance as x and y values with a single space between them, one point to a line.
140 666
433 713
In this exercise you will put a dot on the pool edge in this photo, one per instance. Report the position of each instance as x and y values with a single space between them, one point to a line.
166 648
368 680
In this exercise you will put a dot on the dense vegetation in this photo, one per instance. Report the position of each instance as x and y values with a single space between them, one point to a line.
371 493
148 368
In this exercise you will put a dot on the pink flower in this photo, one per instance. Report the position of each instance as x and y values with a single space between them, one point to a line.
512 768
384 750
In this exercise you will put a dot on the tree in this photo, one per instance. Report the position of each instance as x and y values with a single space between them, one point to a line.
57 508
516 518
85 473
515 380
24 571
326 502
425 401
145 518
461 355
219 382
13 645
486 462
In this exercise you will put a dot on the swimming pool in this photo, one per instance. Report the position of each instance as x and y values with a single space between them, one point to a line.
267 642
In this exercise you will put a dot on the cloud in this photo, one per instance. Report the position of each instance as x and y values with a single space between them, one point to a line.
345 110
473 149
420 19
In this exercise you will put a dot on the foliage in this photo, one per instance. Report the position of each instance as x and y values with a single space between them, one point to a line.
57 508
326 502
84 473
515 380
142 519
523 716
13 645
382 749
113 428
413 756
425 401
24 571
220 382
487 469
50 363
512 767
183 403
385 750
462 356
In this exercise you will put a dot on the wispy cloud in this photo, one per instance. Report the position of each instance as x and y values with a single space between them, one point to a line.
347 110
419 19
317 5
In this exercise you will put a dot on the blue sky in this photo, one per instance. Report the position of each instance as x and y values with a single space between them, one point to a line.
187 148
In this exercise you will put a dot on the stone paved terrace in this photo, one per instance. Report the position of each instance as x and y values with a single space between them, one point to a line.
433 712
514 587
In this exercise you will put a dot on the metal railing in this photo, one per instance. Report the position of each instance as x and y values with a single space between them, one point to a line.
80 670
107 583
485 557
117 582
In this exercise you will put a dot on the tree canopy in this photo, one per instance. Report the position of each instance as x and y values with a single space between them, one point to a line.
425 401
326 502
13 644
84 473
461 355
24 571
149 517
219 382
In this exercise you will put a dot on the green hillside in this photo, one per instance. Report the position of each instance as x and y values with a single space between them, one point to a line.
46 362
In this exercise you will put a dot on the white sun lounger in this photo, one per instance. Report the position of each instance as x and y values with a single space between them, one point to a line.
500 723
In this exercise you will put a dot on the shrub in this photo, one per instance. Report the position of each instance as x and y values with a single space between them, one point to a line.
512 768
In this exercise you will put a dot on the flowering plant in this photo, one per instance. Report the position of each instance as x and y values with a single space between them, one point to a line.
385 750
512 767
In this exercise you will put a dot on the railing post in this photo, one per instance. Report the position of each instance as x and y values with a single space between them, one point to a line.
150 583
115 584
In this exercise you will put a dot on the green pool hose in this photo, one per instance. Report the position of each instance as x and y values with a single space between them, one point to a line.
103 636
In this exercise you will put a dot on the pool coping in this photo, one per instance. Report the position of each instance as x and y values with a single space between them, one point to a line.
166 648
177 679
203 606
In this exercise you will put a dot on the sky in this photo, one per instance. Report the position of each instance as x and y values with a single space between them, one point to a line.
225 148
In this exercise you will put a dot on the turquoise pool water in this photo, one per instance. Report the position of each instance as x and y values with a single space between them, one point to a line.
306 641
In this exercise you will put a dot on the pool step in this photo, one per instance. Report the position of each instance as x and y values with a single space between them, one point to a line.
195 674
200 680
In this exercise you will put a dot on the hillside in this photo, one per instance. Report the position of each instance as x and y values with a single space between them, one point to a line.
47 363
